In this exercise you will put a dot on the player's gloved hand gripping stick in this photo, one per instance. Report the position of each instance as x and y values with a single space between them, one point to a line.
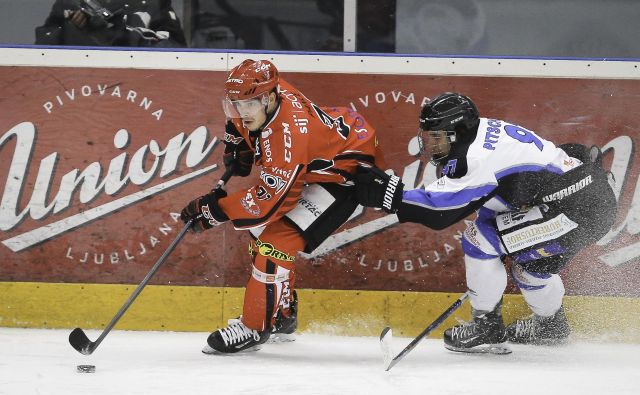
79 340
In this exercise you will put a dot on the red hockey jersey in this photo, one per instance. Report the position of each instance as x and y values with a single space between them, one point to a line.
301 143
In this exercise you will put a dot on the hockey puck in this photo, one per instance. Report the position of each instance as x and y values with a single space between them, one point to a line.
86 368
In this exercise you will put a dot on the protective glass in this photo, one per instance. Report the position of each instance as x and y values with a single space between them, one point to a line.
247 108
435 144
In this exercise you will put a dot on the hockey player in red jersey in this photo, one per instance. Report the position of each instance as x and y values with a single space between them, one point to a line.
307 157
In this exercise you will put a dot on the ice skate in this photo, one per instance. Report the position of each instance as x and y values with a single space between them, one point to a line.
540 330
236 337
485 333
285 327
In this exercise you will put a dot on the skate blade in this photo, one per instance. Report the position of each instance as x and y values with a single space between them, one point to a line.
282 338
207 350
543 342
497 349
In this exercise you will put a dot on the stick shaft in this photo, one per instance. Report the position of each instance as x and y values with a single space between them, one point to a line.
438 321
225 176
78 338
142 284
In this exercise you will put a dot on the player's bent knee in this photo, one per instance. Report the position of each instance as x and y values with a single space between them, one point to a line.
530 281
547 265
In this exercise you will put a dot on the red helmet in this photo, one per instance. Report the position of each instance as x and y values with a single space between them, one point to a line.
251 79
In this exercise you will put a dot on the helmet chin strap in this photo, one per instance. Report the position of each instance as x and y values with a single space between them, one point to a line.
439 162
269 115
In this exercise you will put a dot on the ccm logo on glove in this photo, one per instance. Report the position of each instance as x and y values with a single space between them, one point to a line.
206 213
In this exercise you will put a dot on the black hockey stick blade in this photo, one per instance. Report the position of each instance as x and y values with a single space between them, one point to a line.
79 340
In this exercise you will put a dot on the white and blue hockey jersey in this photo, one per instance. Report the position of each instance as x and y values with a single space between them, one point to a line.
500 170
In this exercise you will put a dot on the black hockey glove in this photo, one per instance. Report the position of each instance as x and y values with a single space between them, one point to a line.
205 211
237 153
242 160
375 188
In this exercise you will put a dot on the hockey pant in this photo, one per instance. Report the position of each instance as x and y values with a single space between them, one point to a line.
577 209
321 210
487 277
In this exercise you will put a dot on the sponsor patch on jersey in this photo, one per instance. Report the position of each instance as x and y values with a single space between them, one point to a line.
268 250
539 233
513 218
250 205
281 172
286 133
267 149
262 194
301 123
273 182
470 234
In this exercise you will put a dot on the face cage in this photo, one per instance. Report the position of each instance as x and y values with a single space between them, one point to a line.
431 150
247 108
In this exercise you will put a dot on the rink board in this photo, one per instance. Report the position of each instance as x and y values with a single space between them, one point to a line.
114 114
340 312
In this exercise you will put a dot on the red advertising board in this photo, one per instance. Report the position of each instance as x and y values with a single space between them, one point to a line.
97 163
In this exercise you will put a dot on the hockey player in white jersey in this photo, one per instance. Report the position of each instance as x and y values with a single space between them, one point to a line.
537 203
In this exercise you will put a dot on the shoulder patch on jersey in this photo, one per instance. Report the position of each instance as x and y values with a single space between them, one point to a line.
455 168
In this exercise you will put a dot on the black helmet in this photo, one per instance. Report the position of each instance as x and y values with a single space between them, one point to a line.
449 111
449 118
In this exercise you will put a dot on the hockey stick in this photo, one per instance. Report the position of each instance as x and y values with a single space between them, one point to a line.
79 340
387 334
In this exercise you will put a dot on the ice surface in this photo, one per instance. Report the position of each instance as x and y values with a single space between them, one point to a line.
36 361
